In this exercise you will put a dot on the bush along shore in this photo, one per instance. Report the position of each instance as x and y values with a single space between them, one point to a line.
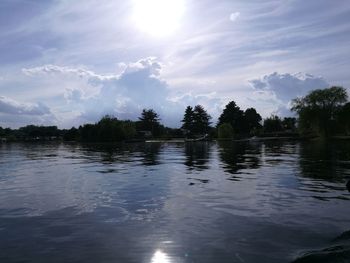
323 113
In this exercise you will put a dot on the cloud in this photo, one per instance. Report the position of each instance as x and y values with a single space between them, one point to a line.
9 106
17 114
234 16
288 86
279 89
54 69
139 85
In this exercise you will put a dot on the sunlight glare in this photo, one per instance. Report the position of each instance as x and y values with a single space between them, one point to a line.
158 17
160 257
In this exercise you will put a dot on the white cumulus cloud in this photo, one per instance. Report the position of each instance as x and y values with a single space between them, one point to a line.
139 85
279 89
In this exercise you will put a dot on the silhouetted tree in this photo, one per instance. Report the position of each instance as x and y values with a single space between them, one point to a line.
108 129
188 120
225 131
289 123
71 134
88 132
251 120
273 124
343 119
233 115
317 111
149 121
201 120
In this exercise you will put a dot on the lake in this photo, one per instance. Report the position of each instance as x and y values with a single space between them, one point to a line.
271 201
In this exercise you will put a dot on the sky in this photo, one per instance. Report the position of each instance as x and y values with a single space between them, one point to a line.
66 63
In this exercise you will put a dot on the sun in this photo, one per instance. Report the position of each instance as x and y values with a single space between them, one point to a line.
158 17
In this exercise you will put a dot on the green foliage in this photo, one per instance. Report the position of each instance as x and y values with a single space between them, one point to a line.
233 115
39 131
251 121
196 120
71 134
201 120
289 123
318 110
188 120
344 119
273 124
225 131
108 129
242 122
88 133
129 129
149 121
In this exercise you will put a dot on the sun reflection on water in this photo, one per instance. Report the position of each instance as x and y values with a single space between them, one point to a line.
160 257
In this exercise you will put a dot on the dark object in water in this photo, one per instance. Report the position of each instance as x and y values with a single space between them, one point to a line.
348 185
343 237
336 254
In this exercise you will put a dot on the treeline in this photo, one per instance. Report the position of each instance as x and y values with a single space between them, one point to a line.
322 113
31 132
233 123
108 129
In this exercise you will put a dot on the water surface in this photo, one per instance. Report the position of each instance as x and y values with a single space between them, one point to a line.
196 202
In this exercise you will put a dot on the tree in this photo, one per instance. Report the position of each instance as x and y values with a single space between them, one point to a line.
188 120
317 110
225 131
252 120
149 121
273 124
289 123
109 129
344 118
71 134
129 129
201 120
233 115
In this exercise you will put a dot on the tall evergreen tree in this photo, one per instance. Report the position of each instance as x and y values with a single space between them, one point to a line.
201 120
188 120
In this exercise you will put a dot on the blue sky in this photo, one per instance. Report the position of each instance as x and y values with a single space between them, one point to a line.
70 62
